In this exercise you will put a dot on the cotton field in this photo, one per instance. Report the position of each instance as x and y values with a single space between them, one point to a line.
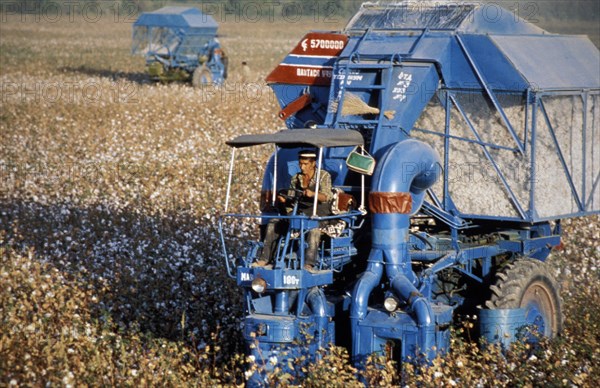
111 268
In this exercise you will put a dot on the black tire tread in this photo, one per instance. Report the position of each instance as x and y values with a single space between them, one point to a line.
515 277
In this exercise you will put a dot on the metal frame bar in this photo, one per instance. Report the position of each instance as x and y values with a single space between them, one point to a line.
361 208
584 96
274 188
229 178
395 29
446 191
490 94
490 158
595 107
464 257
317 183
594 134
447 218
532 166
526 118
481 143
595 185
416 43
434 198
222 235
561 156
595 181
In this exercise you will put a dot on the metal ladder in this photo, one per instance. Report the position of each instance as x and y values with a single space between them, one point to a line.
384 74
354 63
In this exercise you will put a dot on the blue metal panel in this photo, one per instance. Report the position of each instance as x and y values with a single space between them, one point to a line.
383 45
553 61
490 18
411 89
269 328
177 17
436 46
350 46
497 70
409 105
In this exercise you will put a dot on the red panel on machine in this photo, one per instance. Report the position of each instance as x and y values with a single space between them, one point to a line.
299 67
300 75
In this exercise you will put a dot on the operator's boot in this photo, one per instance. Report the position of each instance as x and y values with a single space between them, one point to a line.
310 255
271 236
265 254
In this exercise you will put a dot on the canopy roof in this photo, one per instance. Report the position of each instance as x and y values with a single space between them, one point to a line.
292 138
550 61
180 17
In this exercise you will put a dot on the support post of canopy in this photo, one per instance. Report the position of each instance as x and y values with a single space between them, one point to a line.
319 165
229 178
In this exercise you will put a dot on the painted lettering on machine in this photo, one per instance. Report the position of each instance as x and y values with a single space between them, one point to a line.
310 62
321 44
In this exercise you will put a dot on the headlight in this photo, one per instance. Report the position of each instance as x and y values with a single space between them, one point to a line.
259 285
391 303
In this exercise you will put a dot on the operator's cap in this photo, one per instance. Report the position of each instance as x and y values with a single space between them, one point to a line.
307 154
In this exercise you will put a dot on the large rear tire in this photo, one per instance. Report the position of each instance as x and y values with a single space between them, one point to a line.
527 283
201 76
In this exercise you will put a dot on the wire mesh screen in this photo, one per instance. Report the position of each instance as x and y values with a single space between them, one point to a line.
410 15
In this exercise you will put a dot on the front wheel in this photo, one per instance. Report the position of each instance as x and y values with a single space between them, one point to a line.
527 283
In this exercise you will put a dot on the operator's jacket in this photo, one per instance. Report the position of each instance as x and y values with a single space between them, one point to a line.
305 205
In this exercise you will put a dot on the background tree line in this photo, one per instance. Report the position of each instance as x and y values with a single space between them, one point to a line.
588 10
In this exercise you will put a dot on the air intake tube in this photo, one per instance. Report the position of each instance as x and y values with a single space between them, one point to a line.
403 174
317 301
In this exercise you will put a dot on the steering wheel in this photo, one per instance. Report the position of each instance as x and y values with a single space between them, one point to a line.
285 193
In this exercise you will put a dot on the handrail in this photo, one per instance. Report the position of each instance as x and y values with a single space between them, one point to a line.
350 213
221 234
347 217
229 178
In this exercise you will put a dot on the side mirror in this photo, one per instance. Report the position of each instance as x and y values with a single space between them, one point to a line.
360 161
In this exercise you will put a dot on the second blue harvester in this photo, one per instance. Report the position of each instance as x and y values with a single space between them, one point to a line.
180 44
